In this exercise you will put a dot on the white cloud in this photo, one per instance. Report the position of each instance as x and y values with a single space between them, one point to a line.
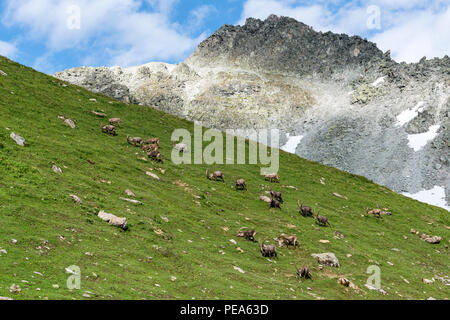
197 16
7 49
411 29
115 31
422 33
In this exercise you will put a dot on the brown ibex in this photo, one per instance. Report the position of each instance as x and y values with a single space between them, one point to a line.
276 195
305 211
287 240
135 141
304 273
268 250
109 129
155 155
272 177
240 184
115 121
375 212
149 147
215 175
247 234
152 141
322 220
274 204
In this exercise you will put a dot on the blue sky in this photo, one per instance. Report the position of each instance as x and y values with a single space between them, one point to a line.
53 35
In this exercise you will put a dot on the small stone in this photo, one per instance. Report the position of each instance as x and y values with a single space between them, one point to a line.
131 200
13 241
238 269
70 123
56 169
427 281
18 139
172 278
152 175
55 286
15 289
76 199
130 193
233 241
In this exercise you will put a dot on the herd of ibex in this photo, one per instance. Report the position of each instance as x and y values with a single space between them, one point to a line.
151 148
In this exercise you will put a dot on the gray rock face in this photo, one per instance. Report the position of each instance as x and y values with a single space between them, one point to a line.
284 45
355 108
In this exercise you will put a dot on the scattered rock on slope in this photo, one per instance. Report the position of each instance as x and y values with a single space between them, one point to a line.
18 139
328 259
113 220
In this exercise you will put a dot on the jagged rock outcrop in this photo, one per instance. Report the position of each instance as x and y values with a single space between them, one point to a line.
354 107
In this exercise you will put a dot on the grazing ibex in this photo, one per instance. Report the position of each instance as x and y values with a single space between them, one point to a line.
115 121
215 175
305 211
109 129
240 184
304 273
375 212
272 177
152 141
247 234
135 141
274 204
287 240
155 155
322 220
268 250
277 196
149 147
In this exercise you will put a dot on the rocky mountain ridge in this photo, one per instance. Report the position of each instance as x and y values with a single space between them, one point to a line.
348 104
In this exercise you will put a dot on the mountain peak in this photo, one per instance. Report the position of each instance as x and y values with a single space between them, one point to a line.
284 45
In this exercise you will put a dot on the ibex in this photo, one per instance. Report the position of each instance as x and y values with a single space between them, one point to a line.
274 204
215 175
277 196
375 212
115 121
109 129
149 147
287 240
322 220
304 273
272 177
240 184
268 250
155 155
305 211
152 141
247 234
135 141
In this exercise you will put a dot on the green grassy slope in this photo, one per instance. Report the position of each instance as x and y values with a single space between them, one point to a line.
203 216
